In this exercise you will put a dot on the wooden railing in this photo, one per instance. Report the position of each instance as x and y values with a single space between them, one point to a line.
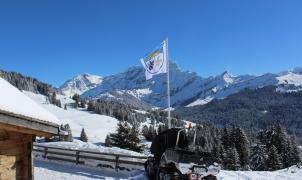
98 159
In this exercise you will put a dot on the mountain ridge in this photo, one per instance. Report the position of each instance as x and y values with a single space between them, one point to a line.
188 88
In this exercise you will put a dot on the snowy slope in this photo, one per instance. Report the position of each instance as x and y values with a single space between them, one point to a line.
96 126
80 84
50 170
14 101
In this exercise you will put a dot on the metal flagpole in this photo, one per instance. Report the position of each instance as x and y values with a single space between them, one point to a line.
168 84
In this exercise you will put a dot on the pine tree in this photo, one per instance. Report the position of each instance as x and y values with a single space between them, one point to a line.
76 98
242 146
295 153
83 136
108 142
258 158
274 161
286 155
225 138
121 137
135 139
91 106
82 103
216 154
232 161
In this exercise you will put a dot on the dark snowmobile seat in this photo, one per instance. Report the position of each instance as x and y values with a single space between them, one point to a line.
167 139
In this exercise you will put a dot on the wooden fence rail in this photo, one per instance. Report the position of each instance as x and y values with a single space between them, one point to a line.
82 156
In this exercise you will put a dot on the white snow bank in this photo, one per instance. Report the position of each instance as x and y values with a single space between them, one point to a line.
51 170
79 145
292 173
45 170
14 101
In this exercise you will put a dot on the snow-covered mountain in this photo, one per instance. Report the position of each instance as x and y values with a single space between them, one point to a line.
184 85
187 88
80 84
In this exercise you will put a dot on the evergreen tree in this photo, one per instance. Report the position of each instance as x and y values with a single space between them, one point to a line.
258 158
225 138
91 106
216 154
242 145
108 142
121 137
53 100
82 103
83 136
295 153
274 161
77 99
148 132
232 161
135 139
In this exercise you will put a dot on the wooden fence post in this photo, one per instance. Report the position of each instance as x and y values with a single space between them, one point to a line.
116 163
45 152
77 157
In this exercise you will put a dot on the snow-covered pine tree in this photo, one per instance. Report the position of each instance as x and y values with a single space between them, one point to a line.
273 161
121 137
83 136
225 138
135 139
279 139
286 155
295 153
108 142
216 154
232 161
242 145
76 98
258 158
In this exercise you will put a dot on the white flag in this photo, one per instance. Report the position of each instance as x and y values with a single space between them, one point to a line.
156 62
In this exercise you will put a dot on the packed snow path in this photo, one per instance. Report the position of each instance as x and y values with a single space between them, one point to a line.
45 170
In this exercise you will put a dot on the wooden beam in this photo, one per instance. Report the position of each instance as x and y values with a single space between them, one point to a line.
24 130
27 126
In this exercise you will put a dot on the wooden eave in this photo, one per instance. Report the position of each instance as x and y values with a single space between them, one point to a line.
27 125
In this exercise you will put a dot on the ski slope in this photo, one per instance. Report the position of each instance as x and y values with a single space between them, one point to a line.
45 170
96 126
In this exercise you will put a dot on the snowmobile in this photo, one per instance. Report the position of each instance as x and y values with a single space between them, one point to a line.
173 158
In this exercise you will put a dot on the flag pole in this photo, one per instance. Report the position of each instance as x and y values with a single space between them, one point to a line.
168 84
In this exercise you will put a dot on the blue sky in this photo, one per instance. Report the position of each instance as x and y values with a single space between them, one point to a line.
53 40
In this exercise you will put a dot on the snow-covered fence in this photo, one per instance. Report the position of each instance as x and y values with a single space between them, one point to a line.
91 158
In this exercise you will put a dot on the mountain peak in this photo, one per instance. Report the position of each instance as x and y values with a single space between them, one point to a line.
227 77
80 83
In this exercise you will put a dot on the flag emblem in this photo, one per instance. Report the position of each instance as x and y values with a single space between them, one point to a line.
155 63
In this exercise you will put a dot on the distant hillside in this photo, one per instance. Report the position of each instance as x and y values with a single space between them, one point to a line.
27 83
251 109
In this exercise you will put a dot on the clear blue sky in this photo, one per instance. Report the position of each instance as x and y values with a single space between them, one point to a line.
54 40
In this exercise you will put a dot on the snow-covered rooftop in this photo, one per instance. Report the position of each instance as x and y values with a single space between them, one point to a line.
15 102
